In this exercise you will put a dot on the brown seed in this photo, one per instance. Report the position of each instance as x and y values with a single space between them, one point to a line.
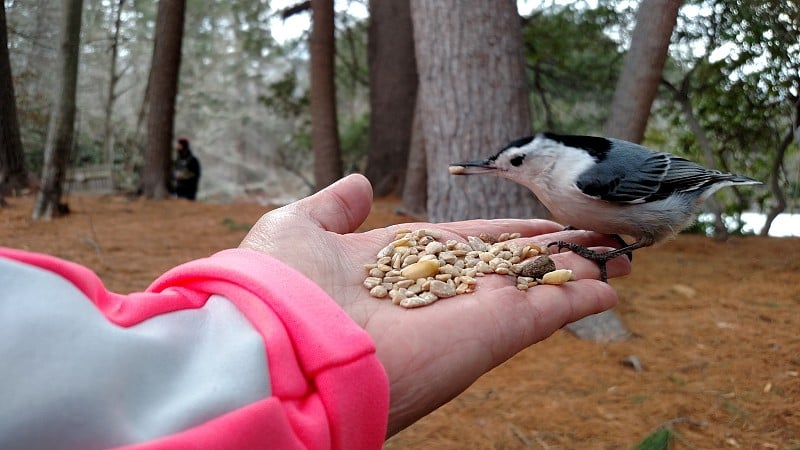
538 267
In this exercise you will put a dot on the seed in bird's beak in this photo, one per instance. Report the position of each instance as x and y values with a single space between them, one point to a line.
456 169
472 167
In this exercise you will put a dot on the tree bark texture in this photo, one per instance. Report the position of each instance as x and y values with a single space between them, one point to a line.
415 192
164 73
392 94
324 125
474 100
641 69
62 119
13 173
113 79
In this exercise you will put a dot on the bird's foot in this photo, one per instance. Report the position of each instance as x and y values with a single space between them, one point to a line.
601 258
616 237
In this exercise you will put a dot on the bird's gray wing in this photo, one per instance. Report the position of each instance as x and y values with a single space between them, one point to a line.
652 178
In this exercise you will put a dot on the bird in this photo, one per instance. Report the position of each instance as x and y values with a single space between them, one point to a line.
606 185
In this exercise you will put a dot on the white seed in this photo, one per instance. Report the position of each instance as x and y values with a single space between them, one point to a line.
402 232
484 267
375 272
386 251
371 282
404 284
397 260
450 269
442 289
402 242
434 248
410 259
436 234
378 292
477 244
418 300
448 257
467 279
397 295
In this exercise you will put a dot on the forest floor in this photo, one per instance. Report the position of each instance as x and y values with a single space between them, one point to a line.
716 328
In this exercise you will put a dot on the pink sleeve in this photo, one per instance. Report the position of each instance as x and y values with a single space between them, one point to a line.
322 385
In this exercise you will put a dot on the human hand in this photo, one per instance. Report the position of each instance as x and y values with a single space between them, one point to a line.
433 353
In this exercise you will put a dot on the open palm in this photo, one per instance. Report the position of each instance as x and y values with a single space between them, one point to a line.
430 354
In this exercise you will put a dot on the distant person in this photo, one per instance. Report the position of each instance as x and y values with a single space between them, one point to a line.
186 171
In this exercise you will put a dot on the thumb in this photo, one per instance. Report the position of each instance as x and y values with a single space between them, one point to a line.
340 207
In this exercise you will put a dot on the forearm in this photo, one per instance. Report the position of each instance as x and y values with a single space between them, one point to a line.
218 351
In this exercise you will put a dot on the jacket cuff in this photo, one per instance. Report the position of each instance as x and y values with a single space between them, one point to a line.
322 365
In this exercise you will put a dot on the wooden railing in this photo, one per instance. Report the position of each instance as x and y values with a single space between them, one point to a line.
96 178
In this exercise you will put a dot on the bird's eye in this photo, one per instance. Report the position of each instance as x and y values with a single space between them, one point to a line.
517 160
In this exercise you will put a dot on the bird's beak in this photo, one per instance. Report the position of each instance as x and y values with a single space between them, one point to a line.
473 167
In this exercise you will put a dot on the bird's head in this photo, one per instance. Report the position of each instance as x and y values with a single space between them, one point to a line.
530 159
510 162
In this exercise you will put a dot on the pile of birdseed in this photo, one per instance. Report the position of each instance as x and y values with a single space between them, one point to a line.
417 269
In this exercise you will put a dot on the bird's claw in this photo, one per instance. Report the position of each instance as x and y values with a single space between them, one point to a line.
616 237
600 258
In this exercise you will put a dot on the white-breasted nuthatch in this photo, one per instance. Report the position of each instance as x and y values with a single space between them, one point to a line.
606 185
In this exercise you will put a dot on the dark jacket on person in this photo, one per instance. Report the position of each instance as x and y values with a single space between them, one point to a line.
187 174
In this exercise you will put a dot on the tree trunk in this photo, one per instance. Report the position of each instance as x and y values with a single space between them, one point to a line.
62 120
474 100
324 125
775 171
392 93
13 174
164 72
111 95
641 69
415 192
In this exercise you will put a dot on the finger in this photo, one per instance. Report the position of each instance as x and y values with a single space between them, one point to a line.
340 207
555 306
585 268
